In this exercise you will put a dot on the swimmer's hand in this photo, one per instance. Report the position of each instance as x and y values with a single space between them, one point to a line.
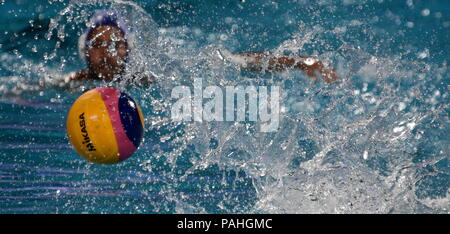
77 76
264 61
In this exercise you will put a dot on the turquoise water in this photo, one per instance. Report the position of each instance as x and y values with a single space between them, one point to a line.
376 142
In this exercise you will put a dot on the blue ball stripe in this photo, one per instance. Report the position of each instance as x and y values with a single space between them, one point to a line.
129 116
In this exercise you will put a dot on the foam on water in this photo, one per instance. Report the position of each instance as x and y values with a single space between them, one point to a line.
370 143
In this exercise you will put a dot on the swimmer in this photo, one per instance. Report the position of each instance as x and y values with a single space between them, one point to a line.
105 48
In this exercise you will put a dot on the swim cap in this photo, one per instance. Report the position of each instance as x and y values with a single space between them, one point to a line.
99 18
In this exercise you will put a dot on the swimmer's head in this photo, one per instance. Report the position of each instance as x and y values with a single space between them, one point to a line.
106 51
105 45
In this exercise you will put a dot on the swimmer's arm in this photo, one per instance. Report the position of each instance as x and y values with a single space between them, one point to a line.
264 61
85 75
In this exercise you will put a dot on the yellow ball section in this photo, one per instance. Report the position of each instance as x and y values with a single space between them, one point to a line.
90 130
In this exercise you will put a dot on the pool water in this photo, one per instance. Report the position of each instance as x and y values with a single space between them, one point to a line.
377 141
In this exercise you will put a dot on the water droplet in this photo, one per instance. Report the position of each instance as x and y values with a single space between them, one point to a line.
410 24
425 12
398 129
365 155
